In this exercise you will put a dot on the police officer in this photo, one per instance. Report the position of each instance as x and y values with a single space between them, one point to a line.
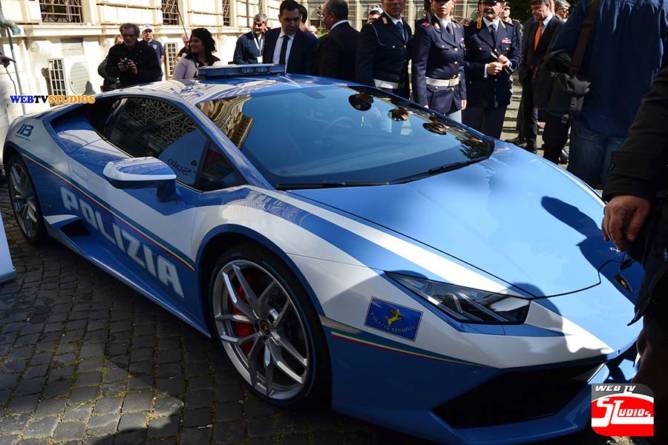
383 51
438 62
492 54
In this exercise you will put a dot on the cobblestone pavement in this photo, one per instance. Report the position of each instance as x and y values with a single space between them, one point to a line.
84 359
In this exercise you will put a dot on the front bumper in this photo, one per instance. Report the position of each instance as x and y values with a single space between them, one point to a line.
456 403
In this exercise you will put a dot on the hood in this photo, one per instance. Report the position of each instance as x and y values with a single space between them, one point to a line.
514 215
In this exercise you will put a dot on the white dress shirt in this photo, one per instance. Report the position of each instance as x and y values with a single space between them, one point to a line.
277 48
337 24
489 23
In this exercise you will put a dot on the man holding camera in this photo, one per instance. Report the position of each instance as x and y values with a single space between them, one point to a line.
133 62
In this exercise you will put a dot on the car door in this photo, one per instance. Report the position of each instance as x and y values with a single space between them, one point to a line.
154 234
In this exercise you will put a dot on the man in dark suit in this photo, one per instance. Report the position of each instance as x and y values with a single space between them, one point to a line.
250 45
638 177
337 49
492 54
288 45
539 35
383 51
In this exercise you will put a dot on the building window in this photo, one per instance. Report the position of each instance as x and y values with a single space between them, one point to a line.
170 12
170 56
61 11
57 77
227 13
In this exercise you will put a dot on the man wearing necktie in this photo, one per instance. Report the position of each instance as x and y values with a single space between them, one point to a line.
288 45
492 54
383 51
250 45
539 36
438 62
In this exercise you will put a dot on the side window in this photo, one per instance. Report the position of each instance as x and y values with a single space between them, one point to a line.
217 173
149 127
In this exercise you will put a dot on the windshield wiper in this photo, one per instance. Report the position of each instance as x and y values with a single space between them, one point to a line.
437 170
326 184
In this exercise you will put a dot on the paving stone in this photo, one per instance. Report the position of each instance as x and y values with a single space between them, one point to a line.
167 405
30 386
109 422
141 383
85 394
8 380
69 431
229 393
41 441
228 411
13 424
108 405
135 438
196 417
163 426
228 433
132 421
80 413
197 435
43 427
88 379
199 399
50 407
9 440
23 404
59 388
137 401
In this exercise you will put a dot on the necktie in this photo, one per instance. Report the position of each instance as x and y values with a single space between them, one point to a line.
539 33
400 27
284 50
492 31
449 29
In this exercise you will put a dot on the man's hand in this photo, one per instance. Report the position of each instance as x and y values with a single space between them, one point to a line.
463 104
4 61
132 67
624 216
494 68
122 66
503 60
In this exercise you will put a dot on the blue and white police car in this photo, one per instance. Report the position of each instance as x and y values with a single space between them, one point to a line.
342 245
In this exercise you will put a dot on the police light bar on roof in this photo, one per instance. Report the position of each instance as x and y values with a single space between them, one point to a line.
209 72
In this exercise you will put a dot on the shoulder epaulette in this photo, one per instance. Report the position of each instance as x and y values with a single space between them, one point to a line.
478 22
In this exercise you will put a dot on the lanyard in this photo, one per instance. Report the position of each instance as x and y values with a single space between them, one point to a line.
259 43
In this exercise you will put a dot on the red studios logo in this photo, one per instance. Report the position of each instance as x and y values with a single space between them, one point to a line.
622 410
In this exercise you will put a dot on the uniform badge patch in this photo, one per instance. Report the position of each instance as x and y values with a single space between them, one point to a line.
393 318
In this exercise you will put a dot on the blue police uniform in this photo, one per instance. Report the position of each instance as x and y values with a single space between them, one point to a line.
488 96
438 66
382 57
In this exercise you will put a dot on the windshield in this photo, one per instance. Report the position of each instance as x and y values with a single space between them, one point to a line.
341 135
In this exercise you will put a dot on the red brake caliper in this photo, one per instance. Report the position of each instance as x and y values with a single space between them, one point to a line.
243 329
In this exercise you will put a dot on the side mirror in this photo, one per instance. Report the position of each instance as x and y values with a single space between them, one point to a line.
142 173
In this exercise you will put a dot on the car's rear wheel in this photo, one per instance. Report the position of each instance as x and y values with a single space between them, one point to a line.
23 199
268 328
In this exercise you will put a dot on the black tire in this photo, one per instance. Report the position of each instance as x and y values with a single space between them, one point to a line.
39 234
316 389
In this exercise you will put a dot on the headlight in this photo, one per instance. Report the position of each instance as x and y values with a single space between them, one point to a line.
465 304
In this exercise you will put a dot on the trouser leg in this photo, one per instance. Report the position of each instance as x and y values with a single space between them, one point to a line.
554 136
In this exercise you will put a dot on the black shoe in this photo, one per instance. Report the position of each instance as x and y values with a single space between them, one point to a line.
563 157
531 147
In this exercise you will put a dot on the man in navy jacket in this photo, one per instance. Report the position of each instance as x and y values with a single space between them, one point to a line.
626 50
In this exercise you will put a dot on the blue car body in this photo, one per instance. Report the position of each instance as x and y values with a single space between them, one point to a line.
509 224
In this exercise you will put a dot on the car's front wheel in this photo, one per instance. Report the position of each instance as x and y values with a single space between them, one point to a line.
23 199
268 328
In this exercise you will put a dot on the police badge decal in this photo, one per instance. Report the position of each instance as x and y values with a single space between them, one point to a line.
622 409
